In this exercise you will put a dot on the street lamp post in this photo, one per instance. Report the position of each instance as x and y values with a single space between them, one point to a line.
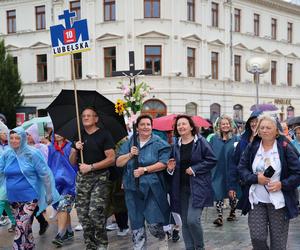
257 66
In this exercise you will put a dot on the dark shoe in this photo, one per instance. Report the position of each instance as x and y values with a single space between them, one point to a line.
169 235
12 229
59 241
69 235
231 217
175 235
43 228
218 221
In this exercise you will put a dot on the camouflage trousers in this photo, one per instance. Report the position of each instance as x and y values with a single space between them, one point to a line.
91 203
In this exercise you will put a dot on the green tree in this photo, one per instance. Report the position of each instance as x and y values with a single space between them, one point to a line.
10 86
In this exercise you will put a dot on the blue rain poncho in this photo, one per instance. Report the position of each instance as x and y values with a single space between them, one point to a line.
64 172
35 169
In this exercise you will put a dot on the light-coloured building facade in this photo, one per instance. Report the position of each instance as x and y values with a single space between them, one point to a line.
197 49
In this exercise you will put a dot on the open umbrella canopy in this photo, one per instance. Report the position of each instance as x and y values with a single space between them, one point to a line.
41 123
294 121
264 107
63 113
166 123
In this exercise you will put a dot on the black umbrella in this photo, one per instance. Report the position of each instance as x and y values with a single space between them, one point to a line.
294 121
63 113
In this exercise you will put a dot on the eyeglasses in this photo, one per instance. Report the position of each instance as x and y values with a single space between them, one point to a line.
87 116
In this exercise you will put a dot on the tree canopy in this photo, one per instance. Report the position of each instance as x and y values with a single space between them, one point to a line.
10 86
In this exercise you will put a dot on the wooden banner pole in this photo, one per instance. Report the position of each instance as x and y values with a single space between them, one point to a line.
76 105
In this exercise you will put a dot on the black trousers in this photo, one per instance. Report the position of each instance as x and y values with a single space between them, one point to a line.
122 220
41 219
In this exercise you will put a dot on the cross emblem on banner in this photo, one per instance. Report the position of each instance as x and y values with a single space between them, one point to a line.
67 17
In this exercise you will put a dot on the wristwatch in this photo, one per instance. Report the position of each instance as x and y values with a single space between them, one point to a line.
145 170
92 167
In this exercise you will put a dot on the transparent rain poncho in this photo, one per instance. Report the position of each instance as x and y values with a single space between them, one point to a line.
31 160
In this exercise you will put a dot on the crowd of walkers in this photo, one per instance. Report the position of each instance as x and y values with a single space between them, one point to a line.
150 183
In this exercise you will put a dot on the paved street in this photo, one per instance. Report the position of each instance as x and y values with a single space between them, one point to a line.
232 236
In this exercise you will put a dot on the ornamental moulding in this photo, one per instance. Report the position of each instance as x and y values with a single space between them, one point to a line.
39 45
216 42
108 36
240 46
153 34
11 47
193 38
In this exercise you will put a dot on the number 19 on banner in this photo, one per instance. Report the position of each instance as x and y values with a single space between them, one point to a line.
69 36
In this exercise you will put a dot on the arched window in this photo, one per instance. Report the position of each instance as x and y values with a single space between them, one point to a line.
215 111
191 108
154 107
238 112
290 112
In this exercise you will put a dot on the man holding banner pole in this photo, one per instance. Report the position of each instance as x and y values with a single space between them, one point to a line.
96 145
92 184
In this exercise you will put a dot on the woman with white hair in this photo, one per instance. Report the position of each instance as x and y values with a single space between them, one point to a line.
270 170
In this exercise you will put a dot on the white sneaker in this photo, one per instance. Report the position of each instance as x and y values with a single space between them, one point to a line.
4 221
78 228
123 232
112 227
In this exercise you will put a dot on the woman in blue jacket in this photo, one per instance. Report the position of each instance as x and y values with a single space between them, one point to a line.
144 185
270 170
190 165
29 182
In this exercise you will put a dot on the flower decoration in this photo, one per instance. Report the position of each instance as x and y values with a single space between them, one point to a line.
133 99
120 107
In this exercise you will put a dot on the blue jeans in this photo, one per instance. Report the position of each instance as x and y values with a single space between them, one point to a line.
143 209
191 223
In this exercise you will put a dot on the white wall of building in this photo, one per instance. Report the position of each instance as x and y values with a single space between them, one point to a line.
174 33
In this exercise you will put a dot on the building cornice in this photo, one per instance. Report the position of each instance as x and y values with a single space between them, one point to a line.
278 5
